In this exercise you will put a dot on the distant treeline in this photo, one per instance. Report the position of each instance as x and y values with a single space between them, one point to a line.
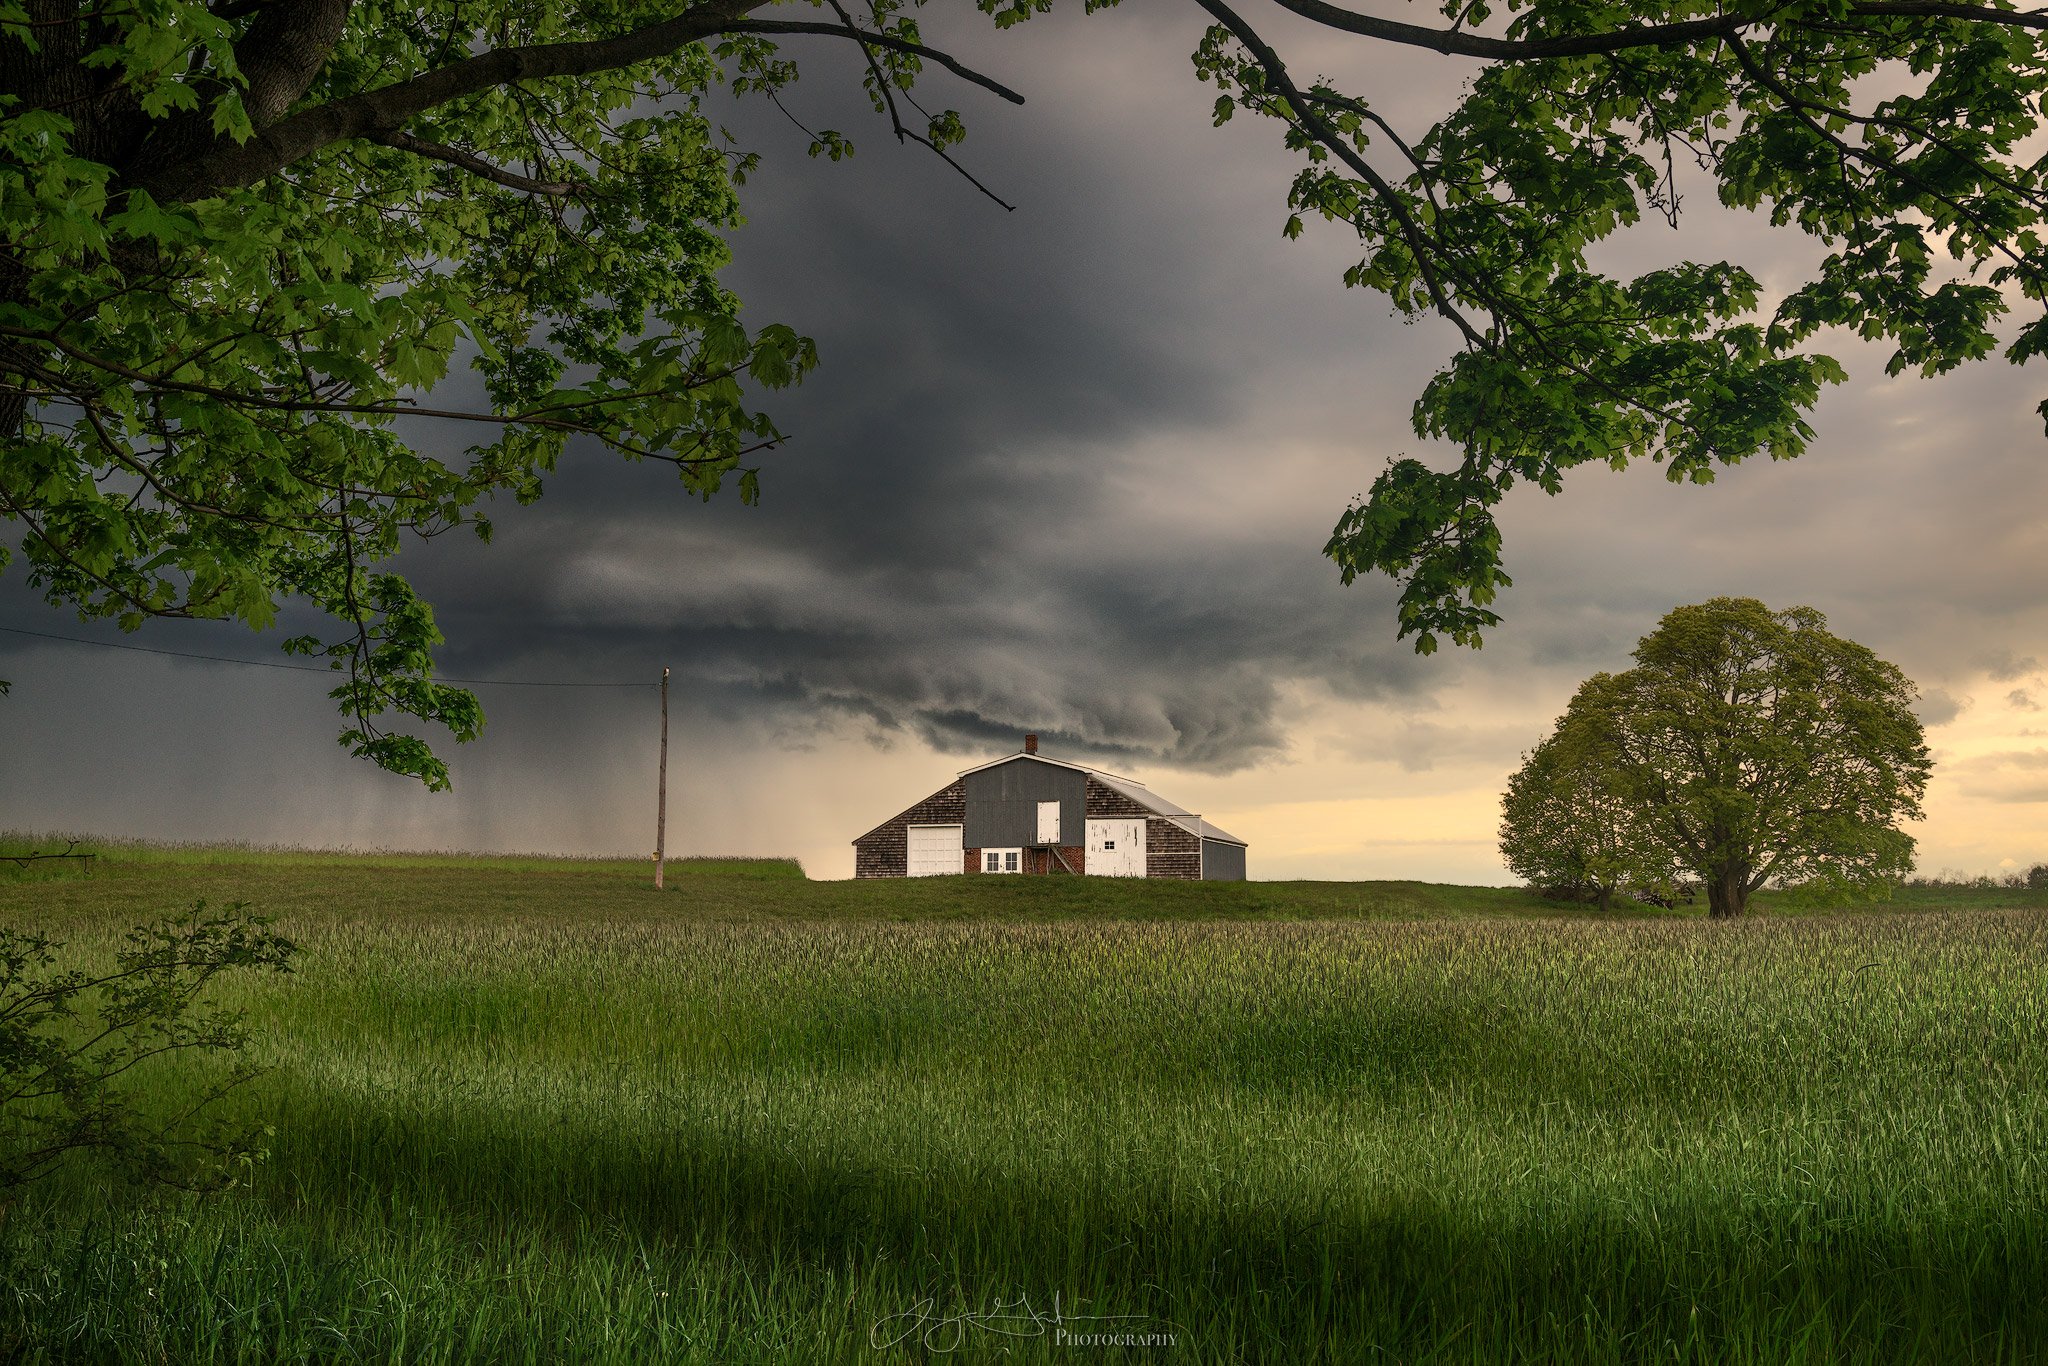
1688 893
1949 879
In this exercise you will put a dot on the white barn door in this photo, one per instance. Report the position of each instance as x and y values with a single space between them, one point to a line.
936 850
1048 822
1116 848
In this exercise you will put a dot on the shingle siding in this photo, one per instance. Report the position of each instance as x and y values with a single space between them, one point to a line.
1105 803
885 850
1169 850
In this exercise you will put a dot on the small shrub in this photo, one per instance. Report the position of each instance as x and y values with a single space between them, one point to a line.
71 1040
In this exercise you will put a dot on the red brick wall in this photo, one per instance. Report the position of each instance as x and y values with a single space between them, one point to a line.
1042 861
1038 861
885 850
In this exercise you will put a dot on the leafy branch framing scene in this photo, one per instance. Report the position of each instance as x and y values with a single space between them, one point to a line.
292 287
246 242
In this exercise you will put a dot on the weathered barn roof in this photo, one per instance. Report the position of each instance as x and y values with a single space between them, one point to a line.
1130 787
1180 816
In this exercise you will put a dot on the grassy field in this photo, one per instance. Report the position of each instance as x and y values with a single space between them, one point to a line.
530 1110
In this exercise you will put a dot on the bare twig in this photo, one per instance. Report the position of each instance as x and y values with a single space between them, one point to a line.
35 856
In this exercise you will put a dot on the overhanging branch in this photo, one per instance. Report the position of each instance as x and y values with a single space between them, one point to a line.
1456 43
1282 84
876 39
374 114
1453 42
226 165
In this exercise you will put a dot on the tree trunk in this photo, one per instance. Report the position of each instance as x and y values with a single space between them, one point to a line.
1606 901
50 73
1728 892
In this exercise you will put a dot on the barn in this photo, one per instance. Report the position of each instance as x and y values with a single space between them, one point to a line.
1029 814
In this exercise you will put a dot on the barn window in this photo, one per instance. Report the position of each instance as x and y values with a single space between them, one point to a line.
1109 844
1000 860
1010 862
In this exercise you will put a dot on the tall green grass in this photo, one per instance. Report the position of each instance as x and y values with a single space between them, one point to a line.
677 1128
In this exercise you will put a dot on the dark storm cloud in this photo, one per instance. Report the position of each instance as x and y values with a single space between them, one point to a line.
1037 483
959 543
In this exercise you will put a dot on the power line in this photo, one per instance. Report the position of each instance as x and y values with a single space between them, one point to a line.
301 668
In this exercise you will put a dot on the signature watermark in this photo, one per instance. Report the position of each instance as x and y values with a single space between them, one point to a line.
940 1333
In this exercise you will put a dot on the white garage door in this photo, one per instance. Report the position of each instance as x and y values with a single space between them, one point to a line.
1116 848
935 850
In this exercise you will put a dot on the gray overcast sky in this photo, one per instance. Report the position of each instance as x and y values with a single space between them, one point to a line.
1070 469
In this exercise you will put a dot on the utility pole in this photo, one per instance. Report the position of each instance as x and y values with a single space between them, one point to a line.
661 801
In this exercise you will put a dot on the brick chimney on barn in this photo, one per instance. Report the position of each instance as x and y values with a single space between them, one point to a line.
1031 744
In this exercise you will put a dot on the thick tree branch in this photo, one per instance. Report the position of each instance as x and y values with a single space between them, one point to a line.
227 166
283 51
224 165
280 56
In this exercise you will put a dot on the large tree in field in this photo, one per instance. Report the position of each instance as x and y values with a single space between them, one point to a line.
243 238
1758 745
1568 821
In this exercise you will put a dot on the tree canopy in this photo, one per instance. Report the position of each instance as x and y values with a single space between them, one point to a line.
1569 823
1746 746
245 238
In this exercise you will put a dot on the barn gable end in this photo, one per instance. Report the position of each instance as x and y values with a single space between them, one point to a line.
885 850
1010 808
1003 798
